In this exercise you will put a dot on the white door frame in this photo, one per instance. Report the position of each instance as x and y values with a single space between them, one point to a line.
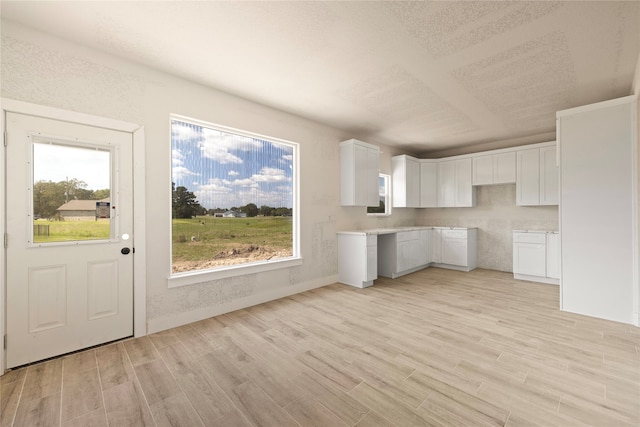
139 262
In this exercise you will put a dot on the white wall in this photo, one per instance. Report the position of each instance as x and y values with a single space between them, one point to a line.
496 215
39 69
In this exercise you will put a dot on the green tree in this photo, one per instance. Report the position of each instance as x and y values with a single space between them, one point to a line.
101 194
250 209
184 203
265 210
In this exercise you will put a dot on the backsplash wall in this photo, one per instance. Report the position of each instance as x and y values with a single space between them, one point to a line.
496 216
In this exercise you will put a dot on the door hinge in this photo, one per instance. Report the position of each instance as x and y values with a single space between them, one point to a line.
4 342
6 240
4 137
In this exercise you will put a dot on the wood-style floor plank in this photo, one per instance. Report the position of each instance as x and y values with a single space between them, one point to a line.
434 348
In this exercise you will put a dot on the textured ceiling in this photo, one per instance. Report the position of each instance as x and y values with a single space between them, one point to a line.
425 76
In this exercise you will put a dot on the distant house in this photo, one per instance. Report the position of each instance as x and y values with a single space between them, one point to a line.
234 214
79 210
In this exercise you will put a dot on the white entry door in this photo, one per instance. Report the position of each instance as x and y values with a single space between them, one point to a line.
69 210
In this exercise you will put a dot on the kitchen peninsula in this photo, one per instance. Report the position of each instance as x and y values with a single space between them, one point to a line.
394 252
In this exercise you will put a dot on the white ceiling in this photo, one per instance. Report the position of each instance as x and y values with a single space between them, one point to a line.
425 76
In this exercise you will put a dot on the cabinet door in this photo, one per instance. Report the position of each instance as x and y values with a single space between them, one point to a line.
454 251
528 177
553 255
529 259
423 248
406 255
436 245
406 181
464 192
483 170
359 165
428 184
504 168
446 183
548 176
413 183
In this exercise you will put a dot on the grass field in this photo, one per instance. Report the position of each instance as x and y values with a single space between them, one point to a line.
205 242
201 242
64 231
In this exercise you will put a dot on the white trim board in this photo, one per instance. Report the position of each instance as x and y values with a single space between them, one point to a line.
139 262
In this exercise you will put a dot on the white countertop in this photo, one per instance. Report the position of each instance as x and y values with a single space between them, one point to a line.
391 230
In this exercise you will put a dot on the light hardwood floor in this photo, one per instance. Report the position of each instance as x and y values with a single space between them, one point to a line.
436 347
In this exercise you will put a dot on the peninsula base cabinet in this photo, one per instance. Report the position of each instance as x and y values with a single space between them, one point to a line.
536 256
455 249
357 259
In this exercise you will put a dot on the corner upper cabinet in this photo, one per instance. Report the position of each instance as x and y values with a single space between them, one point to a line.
537 176
405 181
359 169
428 183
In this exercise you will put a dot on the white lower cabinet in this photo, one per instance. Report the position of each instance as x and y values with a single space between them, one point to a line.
536 256
456 249
357 259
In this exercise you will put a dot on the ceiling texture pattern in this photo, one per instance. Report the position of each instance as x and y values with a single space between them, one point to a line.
424 76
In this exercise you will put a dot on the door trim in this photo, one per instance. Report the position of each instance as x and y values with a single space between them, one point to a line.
139 262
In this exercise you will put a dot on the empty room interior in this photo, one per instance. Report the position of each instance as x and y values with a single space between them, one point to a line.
320 213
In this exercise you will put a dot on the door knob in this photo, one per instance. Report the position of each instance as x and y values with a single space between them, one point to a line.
125 251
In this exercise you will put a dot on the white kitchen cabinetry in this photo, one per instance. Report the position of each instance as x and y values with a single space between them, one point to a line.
492 169
537 176
428 183
405 181
455 187
359 169
455 249
357 259
598 150
403 252
536 256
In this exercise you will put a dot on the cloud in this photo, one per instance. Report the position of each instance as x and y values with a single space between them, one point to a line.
177 158
184 132
180 172
218 146
234 173
270 175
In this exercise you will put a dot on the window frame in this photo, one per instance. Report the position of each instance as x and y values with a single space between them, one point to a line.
386 195
211 274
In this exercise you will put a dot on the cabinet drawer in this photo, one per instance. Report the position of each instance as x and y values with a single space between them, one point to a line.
529 238
454 234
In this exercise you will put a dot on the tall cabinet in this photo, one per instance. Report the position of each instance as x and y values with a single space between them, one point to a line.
599 210
359 169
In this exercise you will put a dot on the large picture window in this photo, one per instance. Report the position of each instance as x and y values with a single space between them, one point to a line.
233 197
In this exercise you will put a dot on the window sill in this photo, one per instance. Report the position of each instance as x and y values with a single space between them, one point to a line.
201 276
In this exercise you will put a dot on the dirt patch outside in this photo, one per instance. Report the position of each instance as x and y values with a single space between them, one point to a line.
233 256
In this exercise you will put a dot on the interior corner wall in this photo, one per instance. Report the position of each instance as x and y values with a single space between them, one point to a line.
496 216
40 69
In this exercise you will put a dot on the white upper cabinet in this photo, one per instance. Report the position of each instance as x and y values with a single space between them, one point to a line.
455 183
406 181
549 190
447 183
537 176
494 169
428 183
465 193
359 169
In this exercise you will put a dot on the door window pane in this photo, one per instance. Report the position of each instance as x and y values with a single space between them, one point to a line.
71 194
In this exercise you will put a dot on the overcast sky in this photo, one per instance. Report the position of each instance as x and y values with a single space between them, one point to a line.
53 162
225 170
